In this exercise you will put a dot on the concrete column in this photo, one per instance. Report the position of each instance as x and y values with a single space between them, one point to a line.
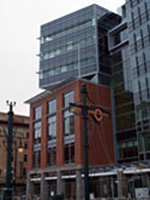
30 187
44 188
144 180
60 185
79 185
120 184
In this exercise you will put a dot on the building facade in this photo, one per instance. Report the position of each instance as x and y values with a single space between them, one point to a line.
56 139
129 45
138 20
75 46
107 50
120 62
19 160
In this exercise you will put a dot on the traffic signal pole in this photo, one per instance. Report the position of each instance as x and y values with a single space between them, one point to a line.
7 195
85 139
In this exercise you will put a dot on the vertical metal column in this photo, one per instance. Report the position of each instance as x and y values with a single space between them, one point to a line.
15 170
8 190
85 139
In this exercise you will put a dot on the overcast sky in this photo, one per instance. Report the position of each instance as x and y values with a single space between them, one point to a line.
20 22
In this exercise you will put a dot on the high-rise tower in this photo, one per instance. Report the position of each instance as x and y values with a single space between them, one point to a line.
75 46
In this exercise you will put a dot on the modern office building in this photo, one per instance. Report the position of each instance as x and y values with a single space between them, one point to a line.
19 159
138 22
76 46
120 62
129 45
111 52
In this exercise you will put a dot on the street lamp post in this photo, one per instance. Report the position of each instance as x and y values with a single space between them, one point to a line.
7 195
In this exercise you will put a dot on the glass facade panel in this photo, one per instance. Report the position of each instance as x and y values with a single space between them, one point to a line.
67 42
127 150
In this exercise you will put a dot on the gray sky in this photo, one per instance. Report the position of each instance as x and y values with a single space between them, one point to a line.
20 22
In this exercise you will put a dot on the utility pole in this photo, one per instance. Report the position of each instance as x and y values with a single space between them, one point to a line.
7 195
98 114
85 139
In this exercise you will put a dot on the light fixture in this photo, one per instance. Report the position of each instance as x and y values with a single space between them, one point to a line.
20 147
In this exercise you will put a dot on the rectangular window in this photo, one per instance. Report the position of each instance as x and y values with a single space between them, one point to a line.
25 157
142 38
133 20
68 123
69 46
36 159
68 98
135 42
52 127
146 10
139 15
69 153
127 149
37 112
52 106
37 132
131 3
51 156
148 30
63 68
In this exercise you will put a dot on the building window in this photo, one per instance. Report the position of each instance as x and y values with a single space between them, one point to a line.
36 158
52 127
52 107
131 3
27 135
68 116
25 145
51 156
52 119
37 132
146 10
128 149
68 98
37 112
25 157
69 153
117 39
68 123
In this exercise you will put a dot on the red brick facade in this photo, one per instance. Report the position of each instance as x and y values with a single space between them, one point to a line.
19 162
100 140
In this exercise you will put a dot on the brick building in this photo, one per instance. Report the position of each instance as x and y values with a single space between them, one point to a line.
110 50
19 160
56 139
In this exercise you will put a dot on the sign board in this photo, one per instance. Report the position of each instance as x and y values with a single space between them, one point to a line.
141 193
